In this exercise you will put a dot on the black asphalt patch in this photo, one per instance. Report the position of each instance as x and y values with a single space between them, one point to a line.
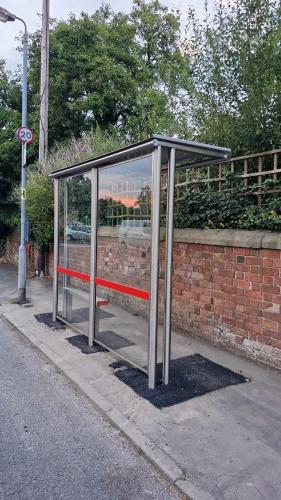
81 341
113 340
47 319
190 377
82 314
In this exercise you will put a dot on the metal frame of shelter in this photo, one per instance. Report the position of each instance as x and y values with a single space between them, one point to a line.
168 154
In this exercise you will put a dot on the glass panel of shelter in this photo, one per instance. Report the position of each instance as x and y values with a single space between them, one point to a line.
123 259
74 250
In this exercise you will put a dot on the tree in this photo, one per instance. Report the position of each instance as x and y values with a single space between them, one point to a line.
235 63
113 70
163 76
10 105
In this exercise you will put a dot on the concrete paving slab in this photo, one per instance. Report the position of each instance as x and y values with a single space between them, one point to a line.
223 445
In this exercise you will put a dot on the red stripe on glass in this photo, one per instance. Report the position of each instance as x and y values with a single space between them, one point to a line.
118 287
74 274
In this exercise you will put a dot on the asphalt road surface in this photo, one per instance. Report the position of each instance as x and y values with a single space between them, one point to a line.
54 445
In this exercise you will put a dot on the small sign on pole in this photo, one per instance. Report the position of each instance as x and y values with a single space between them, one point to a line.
25 135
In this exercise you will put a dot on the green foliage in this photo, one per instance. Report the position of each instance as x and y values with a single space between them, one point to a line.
224 210
208 210
39 194
112 70
9 147
235 61
40 186
75 150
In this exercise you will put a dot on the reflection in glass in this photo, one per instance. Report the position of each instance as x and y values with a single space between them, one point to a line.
74 249
123 258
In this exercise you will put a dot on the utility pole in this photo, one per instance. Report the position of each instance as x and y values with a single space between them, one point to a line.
44 83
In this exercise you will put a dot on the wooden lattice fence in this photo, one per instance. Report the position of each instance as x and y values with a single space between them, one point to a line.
256 175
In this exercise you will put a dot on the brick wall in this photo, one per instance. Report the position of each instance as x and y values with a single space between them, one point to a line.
11 252
226 285
231 296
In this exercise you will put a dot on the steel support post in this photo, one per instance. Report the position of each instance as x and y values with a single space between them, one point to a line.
94 227
66 296
154 271
56 248
169 266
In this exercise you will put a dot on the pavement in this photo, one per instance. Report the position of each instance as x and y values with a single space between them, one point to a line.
54 444
8 281
223 445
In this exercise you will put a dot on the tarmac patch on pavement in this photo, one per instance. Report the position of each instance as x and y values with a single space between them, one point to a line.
82 314
81 341
190 377
47 319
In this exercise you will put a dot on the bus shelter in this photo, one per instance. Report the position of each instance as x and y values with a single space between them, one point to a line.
111 213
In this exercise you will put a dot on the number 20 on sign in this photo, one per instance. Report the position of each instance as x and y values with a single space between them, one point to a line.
25 135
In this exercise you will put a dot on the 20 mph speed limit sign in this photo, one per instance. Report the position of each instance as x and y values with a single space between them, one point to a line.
25 135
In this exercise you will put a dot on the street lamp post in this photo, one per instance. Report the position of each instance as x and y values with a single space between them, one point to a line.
5 16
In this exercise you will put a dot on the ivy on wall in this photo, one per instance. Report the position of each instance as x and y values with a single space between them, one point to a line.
223 210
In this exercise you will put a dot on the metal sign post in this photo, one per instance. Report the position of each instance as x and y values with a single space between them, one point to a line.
22 249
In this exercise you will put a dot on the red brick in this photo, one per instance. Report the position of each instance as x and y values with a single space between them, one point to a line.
242 251
255 252
268 262
268 280
274 316
271 325
269 271
223 280
239 275
226 272
215 248
256 278
229 321
228 288
255 293
246 285
266 305
251 327
277 281
273 254
270 289
267 297
254 261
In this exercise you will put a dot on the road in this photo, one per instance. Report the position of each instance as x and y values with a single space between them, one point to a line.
54 445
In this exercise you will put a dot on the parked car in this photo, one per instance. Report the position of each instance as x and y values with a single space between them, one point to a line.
78 232
132 228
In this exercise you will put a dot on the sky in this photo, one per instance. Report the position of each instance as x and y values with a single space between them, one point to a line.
30 10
